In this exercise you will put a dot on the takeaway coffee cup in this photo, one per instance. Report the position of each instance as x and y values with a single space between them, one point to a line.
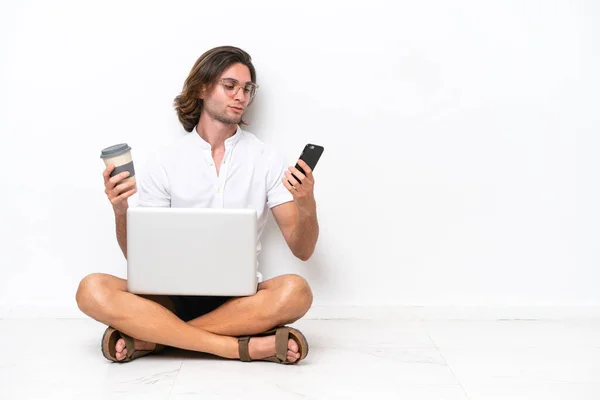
119 155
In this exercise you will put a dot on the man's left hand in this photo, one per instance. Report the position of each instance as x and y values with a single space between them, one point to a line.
303 192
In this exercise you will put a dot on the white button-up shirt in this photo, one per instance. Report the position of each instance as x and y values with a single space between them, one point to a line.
184 175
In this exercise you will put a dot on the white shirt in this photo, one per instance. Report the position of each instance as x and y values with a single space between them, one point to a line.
184 175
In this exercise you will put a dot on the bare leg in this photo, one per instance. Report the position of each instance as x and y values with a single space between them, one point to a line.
281 300
105 298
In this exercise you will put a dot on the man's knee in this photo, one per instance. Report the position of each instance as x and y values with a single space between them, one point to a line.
295 296
94 293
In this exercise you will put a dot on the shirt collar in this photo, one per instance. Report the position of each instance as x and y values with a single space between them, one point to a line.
229 142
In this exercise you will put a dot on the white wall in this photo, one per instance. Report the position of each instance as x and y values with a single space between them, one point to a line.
461 140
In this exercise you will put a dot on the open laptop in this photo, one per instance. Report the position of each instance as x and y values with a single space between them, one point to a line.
191 251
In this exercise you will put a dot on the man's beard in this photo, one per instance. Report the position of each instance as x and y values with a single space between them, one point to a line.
221 117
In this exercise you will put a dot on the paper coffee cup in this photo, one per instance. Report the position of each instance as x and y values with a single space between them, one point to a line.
119 155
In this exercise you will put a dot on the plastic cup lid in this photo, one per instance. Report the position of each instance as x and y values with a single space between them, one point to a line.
115 150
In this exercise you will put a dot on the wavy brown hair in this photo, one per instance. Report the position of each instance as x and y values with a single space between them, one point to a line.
203 76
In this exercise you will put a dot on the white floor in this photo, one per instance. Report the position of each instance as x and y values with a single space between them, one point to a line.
397 358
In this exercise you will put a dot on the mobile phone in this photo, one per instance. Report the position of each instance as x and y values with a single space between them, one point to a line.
310 155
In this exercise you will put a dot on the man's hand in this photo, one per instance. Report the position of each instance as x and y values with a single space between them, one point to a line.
303 192
118 193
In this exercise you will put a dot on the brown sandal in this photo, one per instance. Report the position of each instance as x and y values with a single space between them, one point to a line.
282 335
109 342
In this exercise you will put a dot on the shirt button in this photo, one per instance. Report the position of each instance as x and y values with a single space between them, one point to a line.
219 190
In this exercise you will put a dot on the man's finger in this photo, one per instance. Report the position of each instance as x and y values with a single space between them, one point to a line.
297 174
119 177
106 173
122 197
291 178
122 187
288 185
307 170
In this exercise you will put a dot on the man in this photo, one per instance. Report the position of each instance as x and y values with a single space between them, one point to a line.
216 165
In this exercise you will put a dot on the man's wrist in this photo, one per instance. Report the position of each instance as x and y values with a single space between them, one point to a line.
120 213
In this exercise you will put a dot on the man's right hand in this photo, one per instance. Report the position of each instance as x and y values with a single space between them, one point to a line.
118 192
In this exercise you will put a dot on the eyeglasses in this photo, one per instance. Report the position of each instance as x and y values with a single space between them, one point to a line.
232 87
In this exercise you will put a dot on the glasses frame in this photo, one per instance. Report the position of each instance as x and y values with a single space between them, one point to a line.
237 86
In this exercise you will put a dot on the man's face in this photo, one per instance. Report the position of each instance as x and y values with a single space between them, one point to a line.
222 103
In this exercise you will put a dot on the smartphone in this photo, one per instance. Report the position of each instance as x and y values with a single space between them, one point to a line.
310 155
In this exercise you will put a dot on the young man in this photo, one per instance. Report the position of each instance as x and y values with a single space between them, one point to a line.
216 165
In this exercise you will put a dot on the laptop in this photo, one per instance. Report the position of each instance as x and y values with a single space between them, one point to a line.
191 251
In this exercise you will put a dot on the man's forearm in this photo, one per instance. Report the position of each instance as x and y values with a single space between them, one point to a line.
305 235
121 223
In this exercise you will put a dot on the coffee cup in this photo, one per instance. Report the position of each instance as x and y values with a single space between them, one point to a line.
119 155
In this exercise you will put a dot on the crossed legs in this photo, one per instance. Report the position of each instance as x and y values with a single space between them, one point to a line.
151 319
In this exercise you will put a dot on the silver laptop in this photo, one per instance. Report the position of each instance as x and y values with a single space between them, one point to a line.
191 251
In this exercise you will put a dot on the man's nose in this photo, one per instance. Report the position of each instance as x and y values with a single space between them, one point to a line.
240 95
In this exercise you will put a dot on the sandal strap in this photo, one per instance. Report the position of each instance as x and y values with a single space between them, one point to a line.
243 348
132 352
129 345
138 354
281 343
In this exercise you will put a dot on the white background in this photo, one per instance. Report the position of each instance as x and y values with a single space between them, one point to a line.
461 140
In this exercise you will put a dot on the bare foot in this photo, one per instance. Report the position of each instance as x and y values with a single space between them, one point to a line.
263 347
137 344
